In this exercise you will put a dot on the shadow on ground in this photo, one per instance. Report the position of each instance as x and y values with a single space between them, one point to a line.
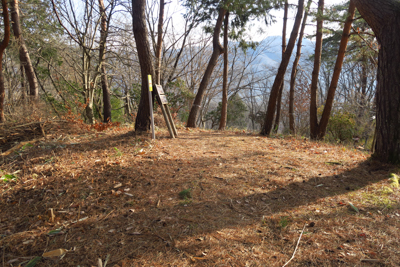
150 222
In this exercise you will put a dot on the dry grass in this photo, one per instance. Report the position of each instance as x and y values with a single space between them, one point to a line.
117 194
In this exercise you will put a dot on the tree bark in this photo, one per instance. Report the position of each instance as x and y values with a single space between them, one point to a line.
279 102
146 65
23 52
315 73
294 70
224 107
266 130
159 42
3 46
217 50
88 86
383 17
336 73
102 61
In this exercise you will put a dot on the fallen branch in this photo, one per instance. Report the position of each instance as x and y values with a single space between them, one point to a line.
36 122
298 242
18 147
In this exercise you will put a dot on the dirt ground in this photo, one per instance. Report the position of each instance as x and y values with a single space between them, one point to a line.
206 198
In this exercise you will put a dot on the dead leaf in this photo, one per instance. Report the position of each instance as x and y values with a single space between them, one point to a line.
117 186
52 216
55 253
135 233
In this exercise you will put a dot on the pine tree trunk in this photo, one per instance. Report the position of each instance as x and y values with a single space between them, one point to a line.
217 50
294 71
266 130
279 102
315 73
3 46
364 80
383 17
336 73
146 64
224 107
23 52
102 61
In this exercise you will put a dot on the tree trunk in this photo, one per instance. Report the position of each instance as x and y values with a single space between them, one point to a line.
88 87
23 90
266 130
315 73
128 109
217 50
279 102
224 107
383 17
102 61
294 70
146 65
336 73
159 42
3 46
364 80
23 52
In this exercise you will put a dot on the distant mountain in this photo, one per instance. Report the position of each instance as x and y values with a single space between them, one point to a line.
270 50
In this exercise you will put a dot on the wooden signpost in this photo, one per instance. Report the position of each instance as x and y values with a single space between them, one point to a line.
162 100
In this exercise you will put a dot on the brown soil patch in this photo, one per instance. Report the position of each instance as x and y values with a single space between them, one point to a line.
117 195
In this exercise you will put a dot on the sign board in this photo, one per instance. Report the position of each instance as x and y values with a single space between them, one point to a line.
160 90
163 99
165 110
161 94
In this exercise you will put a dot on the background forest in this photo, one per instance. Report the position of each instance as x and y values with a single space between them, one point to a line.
80 59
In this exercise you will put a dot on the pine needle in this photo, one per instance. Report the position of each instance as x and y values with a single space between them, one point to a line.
298 242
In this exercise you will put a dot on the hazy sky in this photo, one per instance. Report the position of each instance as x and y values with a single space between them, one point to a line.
272 30
276 28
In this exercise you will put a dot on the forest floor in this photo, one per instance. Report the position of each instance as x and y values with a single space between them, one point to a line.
206 198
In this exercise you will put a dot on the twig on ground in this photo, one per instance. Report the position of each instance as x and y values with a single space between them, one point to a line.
102 219
298 242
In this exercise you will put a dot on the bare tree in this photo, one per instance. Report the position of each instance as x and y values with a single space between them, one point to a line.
294 70
224 109
159 42
3 46
23 52
82 27
104 27
279 100
266 130
217 50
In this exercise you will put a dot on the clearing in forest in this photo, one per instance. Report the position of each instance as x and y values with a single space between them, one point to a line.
207 198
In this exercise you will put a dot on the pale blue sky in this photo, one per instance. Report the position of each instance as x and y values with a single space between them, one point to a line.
272 30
